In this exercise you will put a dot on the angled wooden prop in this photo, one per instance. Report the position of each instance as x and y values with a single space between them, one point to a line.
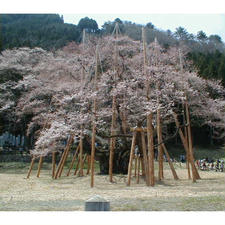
53 164
170 162
190 146
31 167
66 155
131 157
39 166
185 146
73 160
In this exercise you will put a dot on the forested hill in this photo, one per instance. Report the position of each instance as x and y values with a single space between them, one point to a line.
44 30
49 32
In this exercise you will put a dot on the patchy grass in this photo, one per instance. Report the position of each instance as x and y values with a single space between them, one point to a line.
70 193
213 153
212 203
199 152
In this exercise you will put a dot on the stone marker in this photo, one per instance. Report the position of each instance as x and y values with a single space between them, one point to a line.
97 203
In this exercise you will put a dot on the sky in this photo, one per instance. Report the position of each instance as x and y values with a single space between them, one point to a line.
193 15
207 22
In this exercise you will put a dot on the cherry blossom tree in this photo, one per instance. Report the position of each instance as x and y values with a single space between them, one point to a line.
58 90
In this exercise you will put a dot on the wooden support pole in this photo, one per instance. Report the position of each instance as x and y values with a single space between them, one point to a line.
186 138
145 63
142 168
170 163
78 163
160 150
168 158
53 164
112 140
59 164
113 126
191 155
111 157
150 150
81 173
150 179
31 167
39 166
185 145
93 153
138 129
73 160
144 48
124 119
77 167
138 168
145 158
41 159
63 159
85 158
131 157
89 164
66 155
94 121
135 165
187 155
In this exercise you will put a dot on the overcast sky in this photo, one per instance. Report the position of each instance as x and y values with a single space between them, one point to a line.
209 23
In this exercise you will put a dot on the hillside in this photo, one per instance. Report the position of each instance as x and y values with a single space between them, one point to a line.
31 30
49 32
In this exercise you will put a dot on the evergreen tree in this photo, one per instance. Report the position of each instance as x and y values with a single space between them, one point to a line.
221 70
181 33
89 25
44 30
215 38
201 36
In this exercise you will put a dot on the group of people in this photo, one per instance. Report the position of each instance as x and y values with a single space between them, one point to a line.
205 164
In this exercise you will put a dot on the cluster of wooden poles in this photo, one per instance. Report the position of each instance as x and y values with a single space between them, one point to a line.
146 162
146 150
57 171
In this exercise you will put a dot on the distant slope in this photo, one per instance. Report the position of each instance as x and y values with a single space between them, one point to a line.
43 30
49 32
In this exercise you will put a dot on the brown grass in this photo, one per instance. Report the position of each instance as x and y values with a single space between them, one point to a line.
70 193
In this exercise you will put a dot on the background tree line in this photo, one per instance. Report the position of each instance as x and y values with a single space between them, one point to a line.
49 32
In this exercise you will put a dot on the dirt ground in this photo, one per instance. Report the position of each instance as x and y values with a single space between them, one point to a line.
70 193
